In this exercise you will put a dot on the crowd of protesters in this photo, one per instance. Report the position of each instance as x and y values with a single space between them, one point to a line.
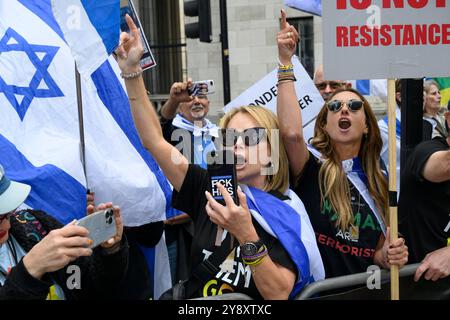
303 211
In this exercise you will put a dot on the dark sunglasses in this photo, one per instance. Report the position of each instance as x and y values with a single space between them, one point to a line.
336 105
333 85
250 136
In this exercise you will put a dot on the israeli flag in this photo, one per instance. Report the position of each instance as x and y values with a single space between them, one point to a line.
289 223
374 87
39 133
91 29
310 6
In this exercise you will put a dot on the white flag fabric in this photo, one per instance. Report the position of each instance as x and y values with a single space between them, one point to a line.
91 28
373 87
39 133
264 93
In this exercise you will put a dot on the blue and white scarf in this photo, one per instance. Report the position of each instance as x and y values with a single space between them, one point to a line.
288 224
202 137
358 178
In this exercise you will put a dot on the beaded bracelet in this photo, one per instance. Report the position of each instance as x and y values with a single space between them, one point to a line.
131 75
286 73
284 67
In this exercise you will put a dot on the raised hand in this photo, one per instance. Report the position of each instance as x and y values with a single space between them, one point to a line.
179 91
287 40
130 50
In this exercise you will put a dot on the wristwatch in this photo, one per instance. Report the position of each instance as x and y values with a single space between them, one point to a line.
249 249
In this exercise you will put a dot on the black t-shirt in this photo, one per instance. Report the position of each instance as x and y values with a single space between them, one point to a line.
343 252
424 206
191 198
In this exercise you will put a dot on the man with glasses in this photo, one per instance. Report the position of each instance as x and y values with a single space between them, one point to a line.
36 251
184 125
183 117
327 87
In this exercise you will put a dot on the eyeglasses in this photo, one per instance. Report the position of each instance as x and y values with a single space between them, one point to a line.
250 136
336 105
333 85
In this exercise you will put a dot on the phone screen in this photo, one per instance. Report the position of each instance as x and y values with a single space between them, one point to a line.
222 169
202 88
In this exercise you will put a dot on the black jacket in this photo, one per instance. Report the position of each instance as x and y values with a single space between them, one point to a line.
101 274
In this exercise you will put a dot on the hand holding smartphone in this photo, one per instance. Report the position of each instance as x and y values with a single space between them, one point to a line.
222 169
101 226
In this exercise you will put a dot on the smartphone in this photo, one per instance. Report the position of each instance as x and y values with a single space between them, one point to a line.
222 169
101 226
127 6
202 88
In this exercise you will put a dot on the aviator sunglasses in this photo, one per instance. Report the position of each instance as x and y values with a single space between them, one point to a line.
336 105
250 136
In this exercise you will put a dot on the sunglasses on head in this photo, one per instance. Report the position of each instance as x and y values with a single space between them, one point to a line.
250 136
336 105
333 85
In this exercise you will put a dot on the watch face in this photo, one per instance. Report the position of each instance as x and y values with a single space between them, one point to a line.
249 249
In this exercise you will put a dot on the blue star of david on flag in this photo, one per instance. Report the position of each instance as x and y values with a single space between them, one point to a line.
14 42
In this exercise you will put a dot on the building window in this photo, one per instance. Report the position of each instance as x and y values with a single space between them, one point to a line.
162 26
305 49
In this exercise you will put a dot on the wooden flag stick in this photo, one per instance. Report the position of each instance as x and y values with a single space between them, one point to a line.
393 221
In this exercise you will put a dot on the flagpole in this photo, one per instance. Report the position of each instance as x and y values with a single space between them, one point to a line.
81 125
393 220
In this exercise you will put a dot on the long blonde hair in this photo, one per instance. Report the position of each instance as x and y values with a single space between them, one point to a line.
334 185
266 119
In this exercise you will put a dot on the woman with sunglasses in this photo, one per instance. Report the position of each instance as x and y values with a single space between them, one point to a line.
264 257
338 177
42 259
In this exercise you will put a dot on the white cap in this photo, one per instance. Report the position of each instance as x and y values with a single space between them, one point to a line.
12 193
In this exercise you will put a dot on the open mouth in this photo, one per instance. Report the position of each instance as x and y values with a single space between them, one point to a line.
344 124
